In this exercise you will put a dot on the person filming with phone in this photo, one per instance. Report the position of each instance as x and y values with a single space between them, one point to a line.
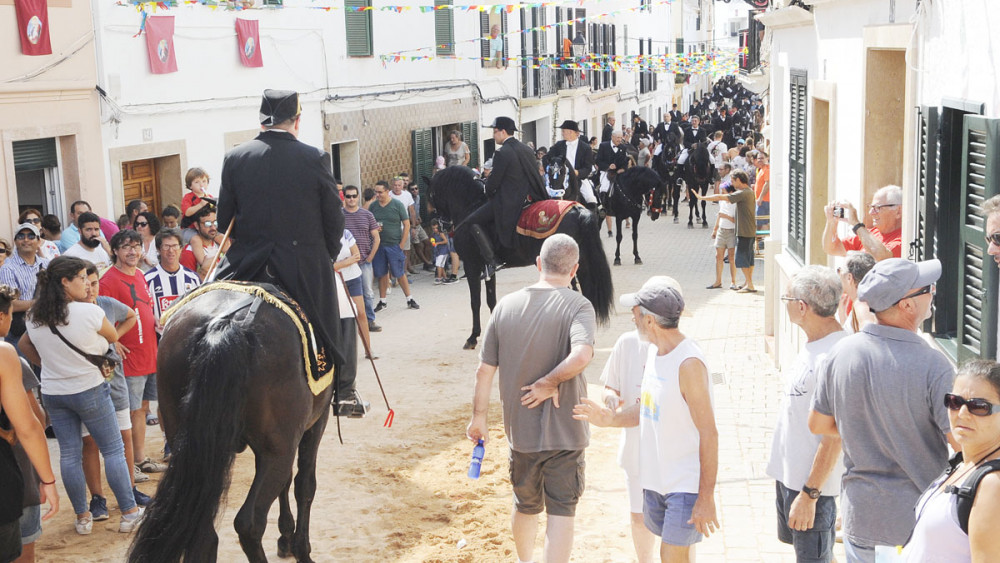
881 240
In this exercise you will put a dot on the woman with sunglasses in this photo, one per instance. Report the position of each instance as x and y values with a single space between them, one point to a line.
974 412
147 225
5 250
73 389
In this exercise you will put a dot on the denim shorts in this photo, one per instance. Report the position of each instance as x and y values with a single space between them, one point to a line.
389 258
815 544
140 388
119 392
31 524
667 516
354 287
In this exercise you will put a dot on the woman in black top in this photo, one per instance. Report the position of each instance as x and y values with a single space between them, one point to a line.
18 420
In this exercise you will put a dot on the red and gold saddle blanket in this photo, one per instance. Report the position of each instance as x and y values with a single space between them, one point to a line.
541 219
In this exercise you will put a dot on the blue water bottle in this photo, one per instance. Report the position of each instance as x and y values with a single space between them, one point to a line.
477 460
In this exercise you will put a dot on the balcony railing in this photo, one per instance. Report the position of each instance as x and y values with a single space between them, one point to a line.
545 80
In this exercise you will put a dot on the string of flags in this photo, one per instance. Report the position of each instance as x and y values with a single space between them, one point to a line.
322 5
716 63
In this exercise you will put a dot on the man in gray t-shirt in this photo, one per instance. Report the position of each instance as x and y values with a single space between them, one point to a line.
540 338
882 391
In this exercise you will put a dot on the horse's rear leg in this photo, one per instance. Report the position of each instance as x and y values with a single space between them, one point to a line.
305 486
472 275
635 239
273 471
692 208
704 217
286 523
618 240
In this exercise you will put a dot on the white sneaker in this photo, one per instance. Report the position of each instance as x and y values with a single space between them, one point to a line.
138 476
85 525
130 521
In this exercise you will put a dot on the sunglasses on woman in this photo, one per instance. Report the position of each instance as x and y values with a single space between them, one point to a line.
978 407
142 224
994 238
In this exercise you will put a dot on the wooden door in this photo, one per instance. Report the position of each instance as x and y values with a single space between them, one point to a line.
139 182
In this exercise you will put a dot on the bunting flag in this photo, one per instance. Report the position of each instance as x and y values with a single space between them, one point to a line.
33 26
248 40
160 44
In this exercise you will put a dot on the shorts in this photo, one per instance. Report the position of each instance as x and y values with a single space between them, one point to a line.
418 234
389 258
667 516
550 480
764 210
124 422
119 391
354 287
725 238
744 252
31 524
815 544
140 388
406 243
10 541
441 261
633 486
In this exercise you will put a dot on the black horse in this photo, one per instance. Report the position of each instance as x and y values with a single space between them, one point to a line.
561 177
227 382
666 166
457 191
698 172
632 190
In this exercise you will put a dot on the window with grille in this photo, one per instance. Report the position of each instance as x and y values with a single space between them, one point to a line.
797 211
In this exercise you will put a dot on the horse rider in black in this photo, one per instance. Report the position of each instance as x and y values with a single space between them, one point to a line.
513 183
612 157
576 152
281 197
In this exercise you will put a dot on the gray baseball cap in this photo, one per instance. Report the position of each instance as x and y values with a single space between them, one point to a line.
660 295
30 226
892 279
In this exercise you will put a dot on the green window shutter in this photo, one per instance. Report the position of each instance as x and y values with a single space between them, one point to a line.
484 32
358 29
470 132
444 29
506 40
924 246
978 295
422 151
36 154
797 211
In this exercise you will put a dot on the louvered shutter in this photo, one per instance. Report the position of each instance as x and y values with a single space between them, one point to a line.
978 295
797 166
422 151
470 132
444 29
36 154
484 32
923 247
358 29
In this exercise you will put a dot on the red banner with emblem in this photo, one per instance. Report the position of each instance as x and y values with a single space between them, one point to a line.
160 44
248 39
33 26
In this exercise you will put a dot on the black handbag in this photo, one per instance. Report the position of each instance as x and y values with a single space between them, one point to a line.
106 362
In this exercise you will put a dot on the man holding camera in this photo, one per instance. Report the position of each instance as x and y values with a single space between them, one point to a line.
882 240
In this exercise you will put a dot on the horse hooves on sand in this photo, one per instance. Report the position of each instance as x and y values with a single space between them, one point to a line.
469 345
704 224
638 261
690 225
676 220
618 261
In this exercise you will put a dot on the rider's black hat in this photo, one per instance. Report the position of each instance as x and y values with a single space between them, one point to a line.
505 123
277 106
571 125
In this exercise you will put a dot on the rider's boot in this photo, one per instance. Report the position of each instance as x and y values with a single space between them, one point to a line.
486 249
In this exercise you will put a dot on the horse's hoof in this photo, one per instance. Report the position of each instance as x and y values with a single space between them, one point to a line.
638 261
469 345
618 261
690 225
284 551
704 224
676 220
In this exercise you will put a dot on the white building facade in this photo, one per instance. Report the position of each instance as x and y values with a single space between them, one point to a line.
866 94
380 89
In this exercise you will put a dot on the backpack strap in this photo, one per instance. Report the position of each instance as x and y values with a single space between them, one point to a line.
967 492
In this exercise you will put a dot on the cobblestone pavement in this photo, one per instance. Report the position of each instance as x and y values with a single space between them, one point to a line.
729 327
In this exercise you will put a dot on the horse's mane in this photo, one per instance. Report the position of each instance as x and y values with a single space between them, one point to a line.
701 160
639 179
452 187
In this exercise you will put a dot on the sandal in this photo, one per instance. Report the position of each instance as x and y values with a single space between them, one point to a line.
713 286
733 286
746 290
151 420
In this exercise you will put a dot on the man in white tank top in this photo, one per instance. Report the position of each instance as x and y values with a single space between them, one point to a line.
679 442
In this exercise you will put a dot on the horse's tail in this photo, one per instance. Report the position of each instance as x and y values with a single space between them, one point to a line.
208 438
594 273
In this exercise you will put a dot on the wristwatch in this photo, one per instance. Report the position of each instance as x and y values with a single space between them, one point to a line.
813 493
857 226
